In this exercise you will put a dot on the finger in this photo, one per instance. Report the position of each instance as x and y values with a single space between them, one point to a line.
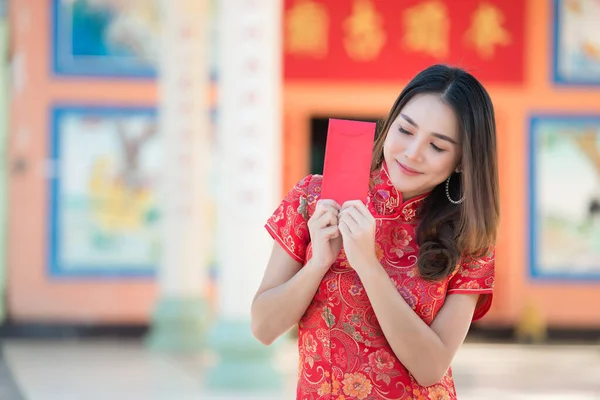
364 210
360 207
331 209
344 229
331 232
329 202
321 211
351 203
328 218
353 213
349 221
331 219
326 207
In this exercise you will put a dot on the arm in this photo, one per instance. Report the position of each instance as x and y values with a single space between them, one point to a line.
426 351
287 289
283 296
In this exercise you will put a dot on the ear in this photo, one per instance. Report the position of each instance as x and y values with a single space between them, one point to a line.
459 167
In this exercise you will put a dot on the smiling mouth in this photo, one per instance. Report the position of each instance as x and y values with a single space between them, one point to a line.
408 170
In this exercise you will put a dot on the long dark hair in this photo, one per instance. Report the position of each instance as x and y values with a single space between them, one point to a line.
448 231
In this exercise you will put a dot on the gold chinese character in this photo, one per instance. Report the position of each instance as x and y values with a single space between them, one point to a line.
486 31
307 25
574 6
427 28
364 33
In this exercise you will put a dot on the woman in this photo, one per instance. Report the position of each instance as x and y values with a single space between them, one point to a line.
383 317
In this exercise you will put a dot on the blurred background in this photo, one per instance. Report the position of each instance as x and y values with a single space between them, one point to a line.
145 143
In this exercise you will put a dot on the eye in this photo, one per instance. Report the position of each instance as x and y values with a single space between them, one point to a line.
438 149
404 131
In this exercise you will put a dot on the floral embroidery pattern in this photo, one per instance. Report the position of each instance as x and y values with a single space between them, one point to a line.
381 361
343 352
357 385
400 241
310 350
439 393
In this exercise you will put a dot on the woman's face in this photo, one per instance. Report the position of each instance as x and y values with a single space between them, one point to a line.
422 147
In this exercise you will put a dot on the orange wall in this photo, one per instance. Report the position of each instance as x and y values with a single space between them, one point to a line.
561 304
31 293
33 296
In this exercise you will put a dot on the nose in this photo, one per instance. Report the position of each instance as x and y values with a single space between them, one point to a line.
413 151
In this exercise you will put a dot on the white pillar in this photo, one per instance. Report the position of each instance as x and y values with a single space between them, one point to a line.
4 128
184 120
248 188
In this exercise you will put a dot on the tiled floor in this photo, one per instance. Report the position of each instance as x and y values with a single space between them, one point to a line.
8 387
125 370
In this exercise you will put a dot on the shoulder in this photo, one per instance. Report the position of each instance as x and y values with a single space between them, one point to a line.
479 265
485 256
313 182
307 193
310 186
310 183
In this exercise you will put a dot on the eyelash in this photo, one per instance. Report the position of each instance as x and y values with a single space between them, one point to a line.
404 131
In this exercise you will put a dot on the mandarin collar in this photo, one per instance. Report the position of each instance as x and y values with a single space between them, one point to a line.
386 201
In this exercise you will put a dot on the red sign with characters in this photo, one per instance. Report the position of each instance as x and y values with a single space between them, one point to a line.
369 40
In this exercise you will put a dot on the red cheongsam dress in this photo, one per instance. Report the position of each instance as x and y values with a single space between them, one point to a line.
343 352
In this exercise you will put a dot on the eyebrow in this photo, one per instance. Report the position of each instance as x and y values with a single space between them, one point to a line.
437 135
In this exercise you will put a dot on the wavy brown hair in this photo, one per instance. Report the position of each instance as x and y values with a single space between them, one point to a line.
448 231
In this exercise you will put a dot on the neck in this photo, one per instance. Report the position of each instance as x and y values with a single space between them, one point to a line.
410 195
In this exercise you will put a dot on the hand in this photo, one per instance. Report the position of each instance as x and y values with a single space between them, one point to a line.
357 227
324 234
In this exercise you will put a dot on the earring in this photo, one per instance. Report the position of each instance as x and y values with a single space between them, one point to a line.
448 193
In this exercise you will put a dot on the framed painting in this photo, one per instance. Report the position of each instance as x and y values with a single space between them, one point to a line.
576 58
105 38
104 219
565 197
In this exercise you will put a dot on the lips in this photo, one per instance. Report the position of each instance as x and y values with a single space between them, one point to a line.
407 170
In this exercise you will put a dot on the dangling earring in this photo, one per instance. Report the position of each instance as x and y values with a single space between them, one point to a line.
448 193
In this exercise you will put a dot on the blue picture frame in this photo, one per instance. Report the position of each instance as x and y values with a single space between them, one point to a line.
585 72
544 128
81 46
62 262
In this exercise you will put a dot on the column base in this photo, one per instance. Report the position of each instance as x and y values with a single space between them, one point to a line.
179 325
244 364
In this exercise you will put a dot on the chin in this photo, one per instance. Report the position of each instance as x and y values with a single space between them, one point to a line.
409 191
402 187
402 182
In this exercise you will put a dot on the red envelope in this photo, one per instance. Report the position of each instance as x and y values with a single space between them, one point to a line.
347 167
